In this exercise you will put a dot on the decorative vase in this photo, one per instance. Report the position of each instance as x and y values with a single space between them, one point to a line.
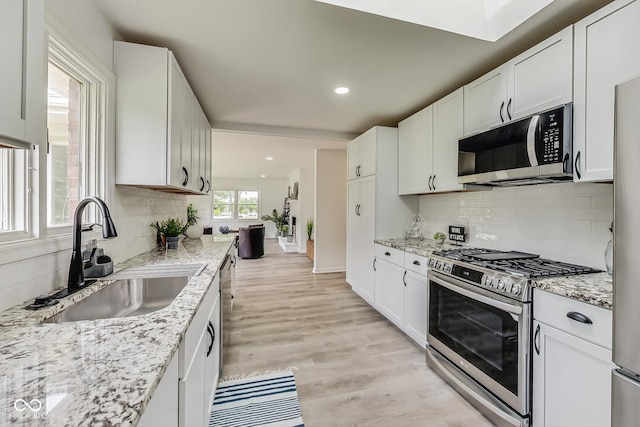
194 231
440 241
172 242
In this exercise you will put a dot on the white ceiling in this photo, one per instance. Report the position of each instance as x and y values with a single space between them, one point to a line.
270 66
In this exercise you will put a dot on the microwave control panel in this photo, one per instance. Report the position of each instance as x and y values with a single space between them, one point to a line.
551 126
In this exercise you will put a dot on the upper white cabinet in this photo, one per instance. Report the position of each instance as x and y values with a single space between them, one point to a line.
428 147
22 86
374 209
605 56
536 80
571 363
361 156
415 153
158 119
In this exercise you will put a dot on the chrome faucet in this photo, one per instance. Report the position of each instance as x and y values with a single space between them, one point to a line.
76 273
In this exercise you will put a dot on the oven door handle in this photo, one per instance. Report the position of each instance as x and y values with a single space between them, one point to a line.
509 308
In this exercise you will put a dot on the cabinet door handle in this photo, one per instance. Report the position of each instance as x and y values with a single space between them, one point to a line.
416 262
508 107
429 182
212 333
202 184
358 170
208 186
374 264
433 182
577 164
536 346
579 317
404 276
185 172
387 254
501 108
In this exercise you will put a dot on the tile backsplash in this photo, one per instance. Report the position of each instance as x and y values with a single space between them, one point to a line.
565 222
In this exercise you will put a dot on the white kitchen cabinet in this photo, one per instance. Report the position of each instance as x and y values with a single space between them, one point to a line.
158 119
605 56
199 361
415 153
374 209
390 290
534 81
362 156
447 128
415 306
401 290
571 363
428 147
22 87
162 409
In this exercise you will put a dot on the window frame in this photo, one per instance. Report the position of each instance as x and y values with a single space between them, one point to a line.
94 161
39 240
18 163
236 204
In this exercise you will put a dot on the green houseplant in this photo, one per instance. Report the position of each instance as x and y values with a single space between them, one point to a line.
194 230
170 229
439 237
310 243
278 219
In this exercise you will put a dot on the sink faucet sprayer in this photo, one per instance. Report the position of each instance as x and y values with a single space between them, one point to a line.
76 273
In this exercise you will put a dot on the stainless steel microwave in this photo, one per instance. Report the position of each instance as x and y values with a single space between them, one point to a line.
532 150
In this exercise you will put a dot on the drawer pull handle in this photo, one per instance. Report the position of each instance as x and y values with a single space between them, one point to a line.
404 276
536 346
387 254
579 317
416 262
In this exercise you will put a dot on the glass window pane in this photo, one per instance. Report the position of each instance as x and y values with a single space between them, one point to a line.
13 165
64 164
223 204
247 204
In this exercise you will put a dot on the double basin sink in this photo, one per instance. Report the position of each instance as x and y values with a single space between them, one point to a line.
134 292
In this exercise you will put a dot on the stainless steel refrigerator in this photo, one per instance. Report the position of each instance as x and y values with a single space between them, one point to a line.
625 385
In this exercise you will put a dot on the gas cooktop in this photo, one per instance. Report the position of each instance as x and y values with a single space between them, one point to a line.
524 264
507 273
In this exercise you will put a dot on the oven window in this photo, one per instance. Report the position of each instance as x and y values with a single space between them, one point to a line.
485 336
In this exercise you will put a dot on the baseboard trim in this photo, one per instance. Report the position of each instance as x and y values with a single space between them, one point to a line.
330 270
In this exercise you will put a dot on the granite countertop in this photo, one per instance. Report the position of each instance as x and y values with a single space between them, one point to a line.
596 289
98 372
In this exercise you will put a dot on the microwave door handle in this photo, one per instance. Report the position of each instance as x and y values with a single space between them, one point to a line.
531 140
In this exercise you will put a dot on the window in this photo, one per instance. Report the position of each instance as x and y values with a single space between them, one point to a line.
235 204
13 191
76 151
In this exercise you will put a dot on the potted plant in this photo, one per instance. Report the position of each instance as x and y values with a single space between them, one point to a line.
170 229
194 230
285 230
310 244
439 237
277 219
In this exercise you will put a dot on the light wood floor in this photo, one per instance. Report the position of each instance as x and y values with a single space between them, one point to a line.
353 368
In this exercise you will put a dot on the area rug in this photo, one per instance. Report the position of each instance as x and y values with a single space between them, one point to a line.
269 400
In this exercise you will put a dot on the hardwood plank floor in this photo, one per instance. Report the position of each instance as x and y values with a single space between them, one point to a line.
354 368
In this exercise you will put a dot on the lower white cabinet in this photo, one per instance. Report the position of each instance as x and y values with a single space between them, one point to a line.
162 410
389 291
401 290
571 365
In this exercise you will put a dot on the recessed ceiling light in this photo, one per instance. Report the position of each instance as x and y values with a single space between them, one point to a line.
342 90
263 176
269 158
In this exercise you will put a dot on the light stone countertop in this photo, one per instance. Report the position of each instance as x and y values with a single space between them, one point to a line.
98 372
596 289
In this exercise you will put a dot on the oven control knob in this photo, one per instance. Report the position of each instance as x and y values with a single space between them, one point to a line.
439 265
432 262
501 285
516 289
488 280
447 268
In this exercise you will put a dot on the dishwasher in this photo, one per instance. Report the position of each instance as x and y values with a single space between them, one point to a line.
227 273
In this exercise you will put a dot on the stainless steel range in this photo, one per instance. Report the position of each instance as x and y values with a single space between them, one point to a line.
479 329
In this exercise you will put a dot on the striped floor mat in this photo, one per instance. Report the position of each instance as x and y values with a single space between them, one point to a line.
266 400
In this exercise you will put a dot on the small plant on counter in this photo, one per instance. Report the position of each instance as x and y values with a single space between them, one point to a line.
278 220
439 237
192 215
171 227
